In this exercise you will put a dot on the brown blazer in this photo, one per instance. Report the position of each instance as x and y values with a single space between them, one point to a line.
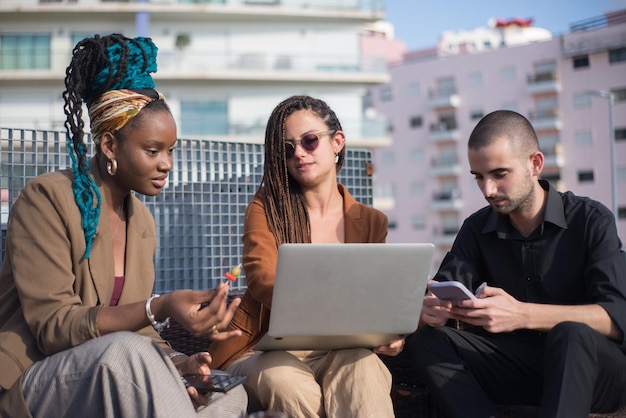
362 224
49 295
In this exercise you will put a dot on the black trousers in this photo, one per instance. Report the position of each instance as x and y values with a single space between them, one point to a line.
568 371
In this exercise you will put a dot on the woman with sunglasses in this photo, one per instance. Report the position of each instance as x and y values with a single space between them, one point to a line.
300 201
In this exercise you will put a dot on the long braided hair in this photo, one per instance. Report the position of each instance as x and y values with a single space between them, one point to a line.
98 65
285 209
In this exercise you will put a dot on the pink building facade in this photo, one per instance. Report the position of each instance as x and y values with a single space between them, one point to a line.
433 101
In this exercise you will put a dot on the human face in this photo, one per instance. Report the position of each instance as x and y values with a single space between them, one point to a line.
145 154
309 167
505 178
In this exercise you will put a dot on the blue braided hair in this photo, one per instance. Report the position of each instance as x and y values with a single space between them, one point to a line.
99 64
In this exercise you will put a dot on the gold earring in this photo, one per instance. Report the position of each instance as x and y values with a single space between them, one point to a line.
112 167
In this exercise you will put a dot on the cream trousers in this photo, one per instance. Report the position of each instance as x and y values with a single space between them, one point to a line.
307 384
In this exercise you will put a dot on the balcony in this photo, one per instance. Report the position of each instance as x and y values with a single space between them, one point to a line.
444 101
445 235
314 9
542 83
545 119
178 65
445 166
444 132
554 157
447 200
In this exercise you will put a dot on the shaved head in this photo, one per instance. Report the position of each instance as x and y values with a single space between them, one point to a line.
504 124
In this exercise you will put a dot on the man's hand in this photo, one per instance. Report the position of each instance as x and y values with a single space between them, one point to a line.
494 310
435 312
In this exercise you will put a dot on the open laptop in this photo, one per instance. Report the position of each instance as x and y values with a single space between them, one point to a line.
336 296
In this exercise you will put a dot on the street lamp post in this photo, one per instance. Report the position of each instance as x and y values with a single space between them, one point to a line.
611 98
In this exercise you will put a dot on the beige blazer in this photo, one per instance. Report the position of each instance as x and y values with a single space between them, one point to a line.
49 295
361 224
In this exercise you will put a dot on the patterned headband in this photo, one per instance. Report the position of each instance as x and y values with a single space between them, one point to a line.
112 110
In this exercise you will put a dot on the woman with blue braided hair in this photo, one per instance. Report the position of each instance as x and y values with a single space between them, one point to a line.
79 329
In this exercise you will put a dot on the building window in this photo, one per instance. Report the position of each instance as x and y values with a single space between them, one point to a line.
475 79
581 61
385 94
416 155
582 100
621 212
204 118
617 55
367 101
583 137
25 52
513 106
392 224
476 114
418 222
388 158
415 89
620 134
585 176
446 87
416 122
507 74
418 188
619 95
553 178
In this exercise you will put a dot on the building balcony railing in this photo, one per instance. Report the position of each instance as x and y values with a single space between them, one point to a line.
553 157
442 101
360 6
447 200
546 119
448 166
184 64
445 235
444 132
541 83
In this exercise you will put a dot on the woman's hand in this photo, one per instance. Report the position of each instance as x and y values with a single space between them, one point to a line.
199 363
392 349
204 313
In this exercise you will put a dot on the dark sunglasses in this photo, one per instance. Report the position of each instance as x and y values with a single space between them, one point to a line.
308 142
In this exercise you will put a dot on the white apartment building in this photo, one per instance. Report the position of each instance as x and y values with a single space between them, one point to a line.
223 64
436 97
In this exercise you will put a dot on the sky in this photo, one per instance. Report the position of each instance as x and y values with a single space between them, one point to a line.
420 22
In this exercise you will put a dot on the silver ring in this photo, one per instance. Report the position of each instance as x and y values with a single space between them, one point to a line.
214 329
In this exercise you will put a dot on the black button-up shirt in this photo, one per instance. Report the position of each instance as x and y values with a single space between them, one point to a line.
574 257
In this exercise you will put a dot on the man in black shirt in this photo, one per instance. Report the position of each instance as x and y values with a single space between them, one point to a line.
549 327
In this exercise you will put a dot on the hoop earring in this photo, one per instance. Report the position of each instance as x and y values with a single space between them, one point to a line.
112 167
336 157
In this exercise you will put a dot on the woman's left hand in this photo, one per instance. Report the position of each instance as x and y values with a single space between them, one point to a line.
199 363
392 349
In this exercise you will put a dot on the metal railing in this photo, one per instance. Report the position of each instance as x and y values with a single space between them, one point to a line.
199 216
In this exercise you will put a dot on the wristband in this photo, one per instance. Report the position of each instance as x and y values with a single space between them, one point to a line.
175 354
158 326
